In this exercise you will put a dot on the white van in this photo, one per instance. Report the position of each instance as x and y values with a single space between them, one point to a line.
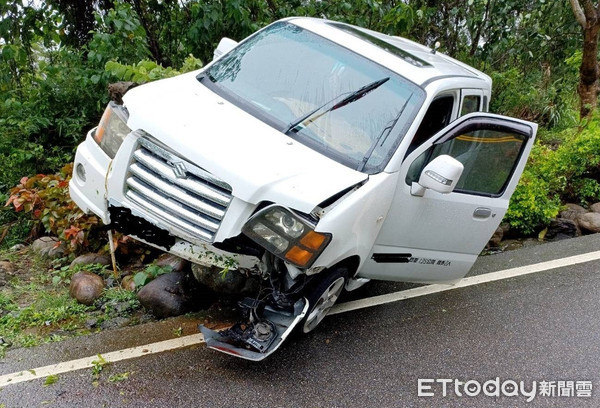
315 154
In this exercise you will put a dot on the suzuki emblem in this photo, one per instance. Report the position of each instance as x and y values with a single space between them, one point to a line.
179 169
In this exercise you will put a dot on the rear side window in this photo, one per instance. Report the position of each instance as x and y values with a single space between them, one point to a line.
470 104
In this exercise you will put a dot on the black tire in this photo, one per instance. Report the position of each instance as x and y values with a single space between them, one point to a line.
321 296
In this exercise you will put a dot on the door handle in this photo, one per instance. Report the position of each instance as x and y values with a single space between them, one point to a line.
482 212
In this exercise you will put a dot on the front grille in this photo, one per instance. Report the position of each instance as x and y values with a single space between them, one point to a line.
180 193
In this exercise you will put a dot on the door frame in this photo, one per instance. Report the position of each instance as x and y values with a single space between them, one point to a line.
389 260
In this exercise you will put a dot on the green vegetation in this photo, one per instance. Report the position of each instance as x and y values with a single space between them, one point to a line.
563 167
151 272
146 71
117 302
97 367
39 319
113 378
62 274
58 56
36 308
51 379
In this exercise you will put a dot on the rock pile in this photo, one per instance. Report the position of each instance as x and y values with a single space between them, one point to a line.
171 294
586 221
571 222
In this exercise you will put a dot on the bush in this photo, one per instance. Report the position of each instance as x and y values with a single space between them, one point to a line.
567 173
151 272
42 121
575 165
534 97
45 200
51 93
147 71
532 206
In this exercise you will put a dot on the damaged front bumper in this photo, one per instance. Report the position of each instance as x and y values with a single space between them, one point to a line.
124 221
265 329
160 198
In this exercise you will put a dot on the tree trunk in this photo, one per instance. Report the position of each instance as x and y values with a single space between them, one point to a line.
588 16
477 36
588 80
151 33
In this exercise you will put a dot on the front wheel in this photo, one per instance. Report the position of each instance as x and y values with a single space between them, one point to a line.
323 296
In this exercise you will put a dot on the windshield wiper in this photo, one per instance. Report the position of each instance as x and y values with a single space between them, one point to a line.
320 111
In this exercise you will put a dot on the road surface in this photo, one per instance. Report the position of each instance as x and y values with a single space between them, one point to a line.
541 329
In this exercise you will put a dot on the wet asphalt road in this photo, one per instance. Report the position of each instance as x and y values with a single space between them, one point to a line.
544 326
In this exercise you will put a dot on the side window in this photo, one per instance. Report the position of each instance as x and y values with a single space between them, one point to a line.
436 118
489 157
470 104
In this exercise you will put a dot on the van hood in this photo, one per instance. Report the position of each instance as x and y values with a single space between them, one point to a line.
259 162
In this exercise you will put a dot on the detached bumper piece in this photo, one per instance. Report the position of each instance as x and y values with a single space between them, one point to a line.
264 332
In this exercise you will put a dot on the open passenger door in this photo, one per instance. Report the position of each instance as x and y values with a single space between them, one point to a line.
436 236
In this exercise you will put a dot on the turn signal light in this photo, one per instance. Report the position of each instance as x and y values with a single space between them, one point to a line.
298 256
313 240
99 134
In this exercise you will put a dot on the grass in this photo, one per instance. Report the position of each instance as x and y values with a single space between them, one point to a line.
119 302
35 306
51 379
45 313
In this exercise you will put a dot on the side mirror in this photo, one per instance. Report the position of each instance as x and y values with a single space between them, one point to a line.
225 45
440 175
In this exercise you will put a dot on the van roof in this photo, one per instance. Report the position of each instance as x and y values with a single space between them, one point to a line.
414 61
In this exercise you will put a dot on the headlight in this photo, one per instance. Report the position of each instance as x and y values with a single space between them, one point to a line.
112 129
286 235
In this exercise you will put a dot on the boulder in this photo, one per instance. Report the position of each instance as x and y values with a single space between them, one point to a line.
174 294
91 258
589 222
127 283
17 247
595 207
48 247
572 211
562 228
176 263
86 287
231 282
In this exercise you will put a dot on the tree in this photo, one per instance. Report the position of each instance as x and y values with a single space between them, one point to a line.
588 16
78 19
